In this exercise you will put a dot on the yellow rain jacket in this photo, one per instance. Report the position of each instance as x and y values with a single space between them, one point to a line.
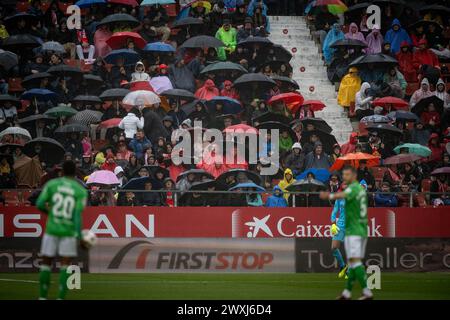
283 184
350 85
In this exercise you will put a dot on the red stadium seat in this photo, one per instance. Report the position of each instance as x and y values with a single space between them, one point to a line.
22 6
15 85
11 198
420 200
351 111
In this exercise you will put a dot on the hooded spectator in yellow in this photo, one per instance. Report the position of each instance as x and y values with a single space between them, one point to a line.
227 34
350 85
286 182
3 32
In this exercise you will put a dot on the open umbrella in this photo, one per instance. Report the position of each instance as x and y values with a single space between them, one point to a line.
314 105
119 40
241 128
202 42
376 118
327 140
199 174
384 129
86 117
249 79
114 94
187 22
33 80
414 148
318 123
251 41
349 44
8 59
358 7
180 94
223 66
378 59
16 131
28 172
272 125
402 115
332 6
159 47
103 177
246 186
239 174
72 128
39 94
153 2
270 116
139 184
423 104
354 159
401 158
281 53
11 21
85 99
439 171
119 18
131 3
6 98
52 46
203 185
36 117
389 103
230 106
48 149
292 100
93 80
129 57
435 8
64 70
286 82
425 24
141 98
306 185
20 43
320 174
111 123
88 3
61 110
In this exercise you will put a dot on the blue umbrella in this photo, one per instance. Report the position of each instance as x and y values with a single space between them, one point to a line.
402 115
320 174
153 2
87 3
139 184
230 106
184 13
39 94
376 118
248 185
159 47
130 56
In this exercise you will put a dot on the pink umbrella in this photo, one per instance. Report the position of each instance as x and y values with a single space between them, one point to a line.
103 177
241 128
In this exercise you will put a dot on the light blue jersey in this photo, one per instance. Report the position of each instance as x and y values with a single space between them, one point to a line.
338 215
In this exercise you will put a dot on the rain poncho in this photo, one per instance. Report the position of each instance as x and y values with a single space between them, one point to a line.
182 76
425 56
374 41
395 38
442 94
333 35
362 101
283 184
208 91
276 201
420 94
348 88
139 75
406 63
100 37
354 33
229 39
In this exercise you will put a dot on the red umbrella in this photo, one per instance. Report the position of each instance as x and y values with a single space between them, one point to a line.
392 102
292 100
314 105
111 123
132 3
402 158
119 40
353 159
240 128
141 85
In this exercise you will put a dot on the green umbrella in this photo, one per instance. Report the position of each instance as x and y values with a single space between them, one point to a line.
62 110
414 148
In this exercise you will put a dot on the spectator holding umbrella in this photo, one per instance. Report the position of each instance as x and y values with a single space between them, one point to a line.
431 118
425 57
421 93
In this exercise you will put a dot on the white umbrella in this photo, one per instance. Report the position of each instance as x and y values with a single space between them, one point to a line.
16 131
141 98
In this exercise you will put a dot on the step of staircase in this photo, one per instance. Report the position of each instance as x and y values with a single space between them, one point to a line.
308 56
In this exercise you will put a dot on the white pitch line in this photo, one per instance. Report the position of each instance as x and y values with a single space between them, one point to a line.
19 280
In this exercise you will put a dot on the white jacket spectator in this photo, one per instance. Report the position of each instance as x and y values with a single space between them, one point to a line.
139 74
362 99
131 123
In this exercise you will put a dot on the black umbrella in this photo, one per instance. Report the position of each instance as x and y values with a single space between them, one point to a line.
179 94
424 103
286 81
275 65
384 129
250 41
248 79
8 148
36 117
358 6
203 185
273 125
4 98
269 116
202 42
348 43
187 22
139 184
377 59
20 43
114 94
119 18
87 99
11 22
249 175
198 173
402 115
318 123
306 185
64 70
93 80
435 8
189 107
48 149
425 24
327 140
223 66
8 60
281 53
34 80
72 128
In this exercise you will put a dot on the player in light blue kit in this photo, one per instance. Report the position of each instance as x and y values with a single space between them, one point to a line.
338 233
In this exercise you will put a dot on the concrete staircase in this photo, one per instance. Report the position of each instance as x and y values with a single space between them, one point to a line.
314 75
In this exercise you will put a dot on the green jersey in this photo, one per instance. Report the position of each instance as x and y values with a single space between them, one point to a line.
64 200
356 210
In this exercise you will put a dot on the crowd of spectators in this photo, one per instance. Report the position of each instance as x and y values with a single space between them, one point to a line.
65 94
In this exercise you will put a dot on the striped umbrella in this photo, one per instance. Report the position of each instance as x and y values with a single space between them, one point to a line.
86 117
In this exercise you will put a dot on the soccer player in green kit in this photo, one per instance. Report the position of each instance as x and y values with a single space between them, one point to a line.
63 199
355 240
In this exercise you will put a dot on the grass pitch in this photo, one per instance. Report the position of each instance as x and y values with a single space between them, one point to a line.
227 286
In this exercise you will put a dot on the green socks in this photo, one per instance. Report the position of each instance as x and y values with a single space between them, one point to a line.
63 275
44 281
357 273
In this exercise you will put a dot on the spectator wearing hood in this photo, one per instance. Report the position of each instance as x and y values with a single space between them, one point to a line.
120 174
421 93
200 114
139 73
420 134
181 75
363 101
296 159
431 118
288 179
442 94
436 148
374 40
317 158
333 35
396 81
384 198
424 56
246 31
276 200
227 34
208 91
350 85
405 60
228 90
350 146
396 35
110 163
354 33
